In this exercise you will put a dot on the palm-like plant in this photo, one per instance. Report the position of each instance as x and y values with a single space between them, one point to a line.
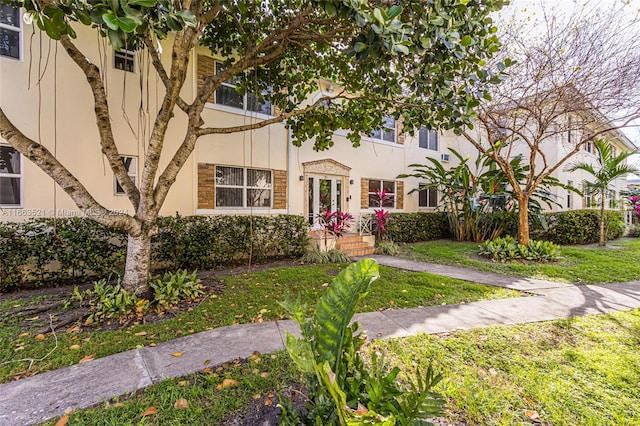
608 168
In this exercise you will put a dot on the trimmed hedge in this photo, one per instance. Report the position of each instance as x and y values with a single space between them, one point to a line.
580 226
52 251
416 227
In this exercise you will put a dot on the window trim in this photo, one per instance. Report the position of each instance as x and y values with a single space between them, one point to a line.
394 193
19 30
126 55
245 187
589 147
245 102
20 176
133 175
422 187
429 132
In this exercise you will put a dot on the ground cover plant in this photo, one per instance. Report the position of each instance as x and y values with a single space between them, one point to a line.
231 299
577 264
580 371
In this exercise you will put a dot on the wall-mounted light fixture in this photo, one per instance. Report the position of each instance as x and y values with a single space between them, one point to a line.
301 177
351 181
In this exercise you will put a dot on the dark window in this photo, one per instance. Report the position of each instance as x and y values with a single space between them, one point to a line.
387 132
9 31
227 95
124 60
428 139
10 177
382 193
131 165
428 197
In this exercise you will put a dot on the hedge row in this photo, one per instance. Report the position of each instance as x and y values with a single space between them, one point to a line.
415 227
52 251
580 226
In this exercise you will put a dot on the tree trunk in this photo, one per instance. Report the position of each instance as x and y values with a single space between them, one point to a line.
602 241
523 220
138 263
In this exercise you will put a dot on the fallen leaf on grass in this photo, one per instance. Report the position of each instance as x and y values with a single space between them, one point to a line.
74 329
181 404
141 333
36 318
74 347
207 361
182 383
268 402
226 383
24 334
39 336
532 415
206 370
62 421
87 358
149 411
265 374
177 354
530 401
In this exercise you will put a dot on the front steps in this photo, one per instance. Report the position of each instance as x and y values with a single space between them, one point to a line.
352 244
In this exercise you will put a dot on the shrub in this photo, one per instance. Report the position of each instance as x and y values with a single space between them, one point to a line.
580 226
634 231
507 248
204 242
315 255
342 387
173 288
14 253
106 301
416 227
387 247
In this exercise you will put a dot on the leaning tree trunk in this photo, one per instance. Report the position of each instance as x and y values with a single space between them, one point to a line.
603 235
523 220
138 263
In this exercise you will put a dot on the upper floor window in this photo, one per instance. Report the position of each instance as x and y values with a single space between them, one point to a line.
131 165
243 187
428 139
569 195
124 60
10 177
428 197
10 29
387 132
382 193
227 95
588 147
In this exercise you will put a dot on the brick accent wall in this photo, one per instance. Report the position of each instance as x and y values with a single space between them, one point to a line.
206 67
206 186
399 195
364 193
279 189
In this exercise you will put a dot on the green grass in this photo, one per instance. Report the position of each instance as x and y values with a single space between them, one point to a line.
246 298
207 403
580 265
582 371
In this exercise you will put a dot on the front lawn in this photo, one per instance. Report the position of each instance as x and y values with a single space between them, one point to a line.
242 298
582 371
580 265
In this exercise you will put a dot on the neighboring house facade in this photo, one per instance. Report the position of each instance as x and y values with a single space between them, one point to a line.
258 172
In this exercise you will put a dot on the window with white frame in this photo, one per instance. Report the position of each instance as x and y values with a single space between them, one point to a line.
387 132
587 195
611 197
124 60
428 139
382 193
428 197
10 31
569 195
588 146
131 165
10 177
243 187
228 96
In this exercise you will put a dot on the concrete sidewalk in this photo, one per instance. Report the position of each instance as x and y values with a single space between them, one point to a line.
42 397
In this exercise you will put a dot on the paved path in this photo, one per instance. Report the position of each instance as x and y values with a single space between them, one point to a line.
44 396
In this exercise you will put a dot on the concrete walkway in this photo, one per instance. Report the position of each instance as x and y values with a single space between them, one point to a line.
44 396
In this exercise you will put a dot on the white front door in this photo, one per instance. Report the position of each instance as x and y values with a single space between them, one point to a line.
324 192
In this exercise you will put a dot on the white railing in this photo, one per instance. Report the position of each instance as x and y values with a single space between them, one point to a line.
363 224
